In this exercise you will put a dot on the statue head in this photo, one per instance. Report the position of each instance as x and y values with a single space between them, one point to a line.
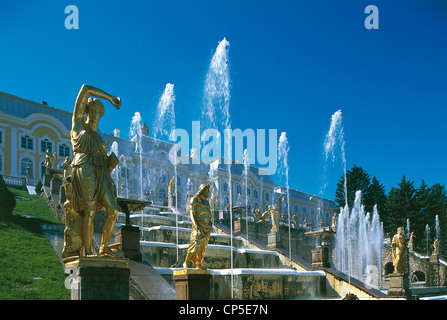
400 230
94 110
204 190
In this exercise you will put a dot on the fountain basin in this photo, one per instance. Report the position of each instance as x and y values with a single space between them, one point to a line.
167 234
151 220
256 284
160 254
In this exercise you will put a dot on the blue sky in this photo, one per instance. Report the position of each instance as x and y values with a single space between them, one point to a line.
292 65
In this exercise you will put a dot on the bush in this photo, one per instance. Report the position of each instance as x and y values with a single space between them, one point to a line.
7 201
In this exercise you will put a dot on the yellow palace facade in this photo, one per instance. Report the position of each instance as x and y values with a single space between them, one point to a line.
28 129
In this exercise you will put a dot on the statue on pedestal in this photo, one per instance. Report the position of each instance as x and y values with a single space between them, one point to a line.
87 180
399 251
200 214
274 214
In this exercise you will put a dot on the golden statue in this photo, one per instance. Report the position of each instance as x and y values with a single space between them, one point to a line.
87 181
274 214
171 192
435 247
49 159
399 250
200 214
261 217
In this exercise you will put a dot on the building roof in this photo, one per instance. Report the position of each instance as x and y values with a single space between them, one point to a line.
22 108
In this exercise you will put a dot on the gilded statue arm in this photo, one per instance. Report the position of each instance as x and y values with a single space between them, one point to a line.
82 99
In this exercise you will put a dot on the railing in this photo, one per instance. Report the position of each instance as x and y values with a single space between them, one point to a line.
14 181
20 182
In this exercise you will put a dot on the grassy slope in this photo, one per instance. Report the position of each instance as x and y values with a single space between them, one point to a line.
29 267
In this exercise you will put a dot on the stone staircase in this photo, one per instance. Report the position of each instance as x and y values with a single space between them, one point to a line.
239 271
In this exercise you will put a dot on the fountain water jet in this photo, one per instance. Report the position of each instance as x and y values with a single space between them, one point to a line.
135 133
216 105
359 241
246 169
164 127
283 150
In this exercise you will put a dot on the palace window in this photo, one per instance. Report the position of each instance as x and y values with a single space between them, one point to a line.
42 169
255 194
267 197
26 142
238 190
64 150
25 163
45 145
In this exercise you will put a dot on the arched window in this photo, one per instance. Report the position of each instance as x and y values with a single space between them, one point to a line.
64 150
267 196
25 163
238 190
255 194
26 142
45 145
42 169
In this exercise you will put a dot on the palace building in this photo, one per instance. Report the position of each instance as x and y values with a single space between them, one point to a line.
28 129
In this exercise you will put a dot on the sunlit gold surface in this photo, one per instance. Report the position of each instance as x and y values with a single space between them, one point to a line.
399 251
200 214
87 180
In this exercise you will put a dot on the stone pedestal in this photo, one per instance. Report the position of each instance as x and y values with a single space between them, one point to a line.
192 284
273 239
95 278
320 258
399 285
55 185
237 227
433 258
47 179
128 238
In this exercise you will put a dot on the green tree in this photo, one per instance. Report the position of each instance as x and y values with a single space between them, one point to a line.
357 179
375 195
434 205
401 204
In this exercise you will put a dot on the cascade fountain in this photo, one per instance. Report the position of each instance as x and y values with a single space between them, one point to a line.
359 236
359 241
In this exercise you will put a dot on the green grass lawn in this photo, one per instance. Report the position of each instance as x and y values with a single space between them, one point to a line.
29 266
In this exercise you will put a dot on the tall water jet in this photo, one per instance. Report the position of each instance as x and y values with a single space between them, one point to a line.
438 232
164 122
216 112
283 150
334 140
114 149
359 241
245 172
427 237
135 133
163 128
